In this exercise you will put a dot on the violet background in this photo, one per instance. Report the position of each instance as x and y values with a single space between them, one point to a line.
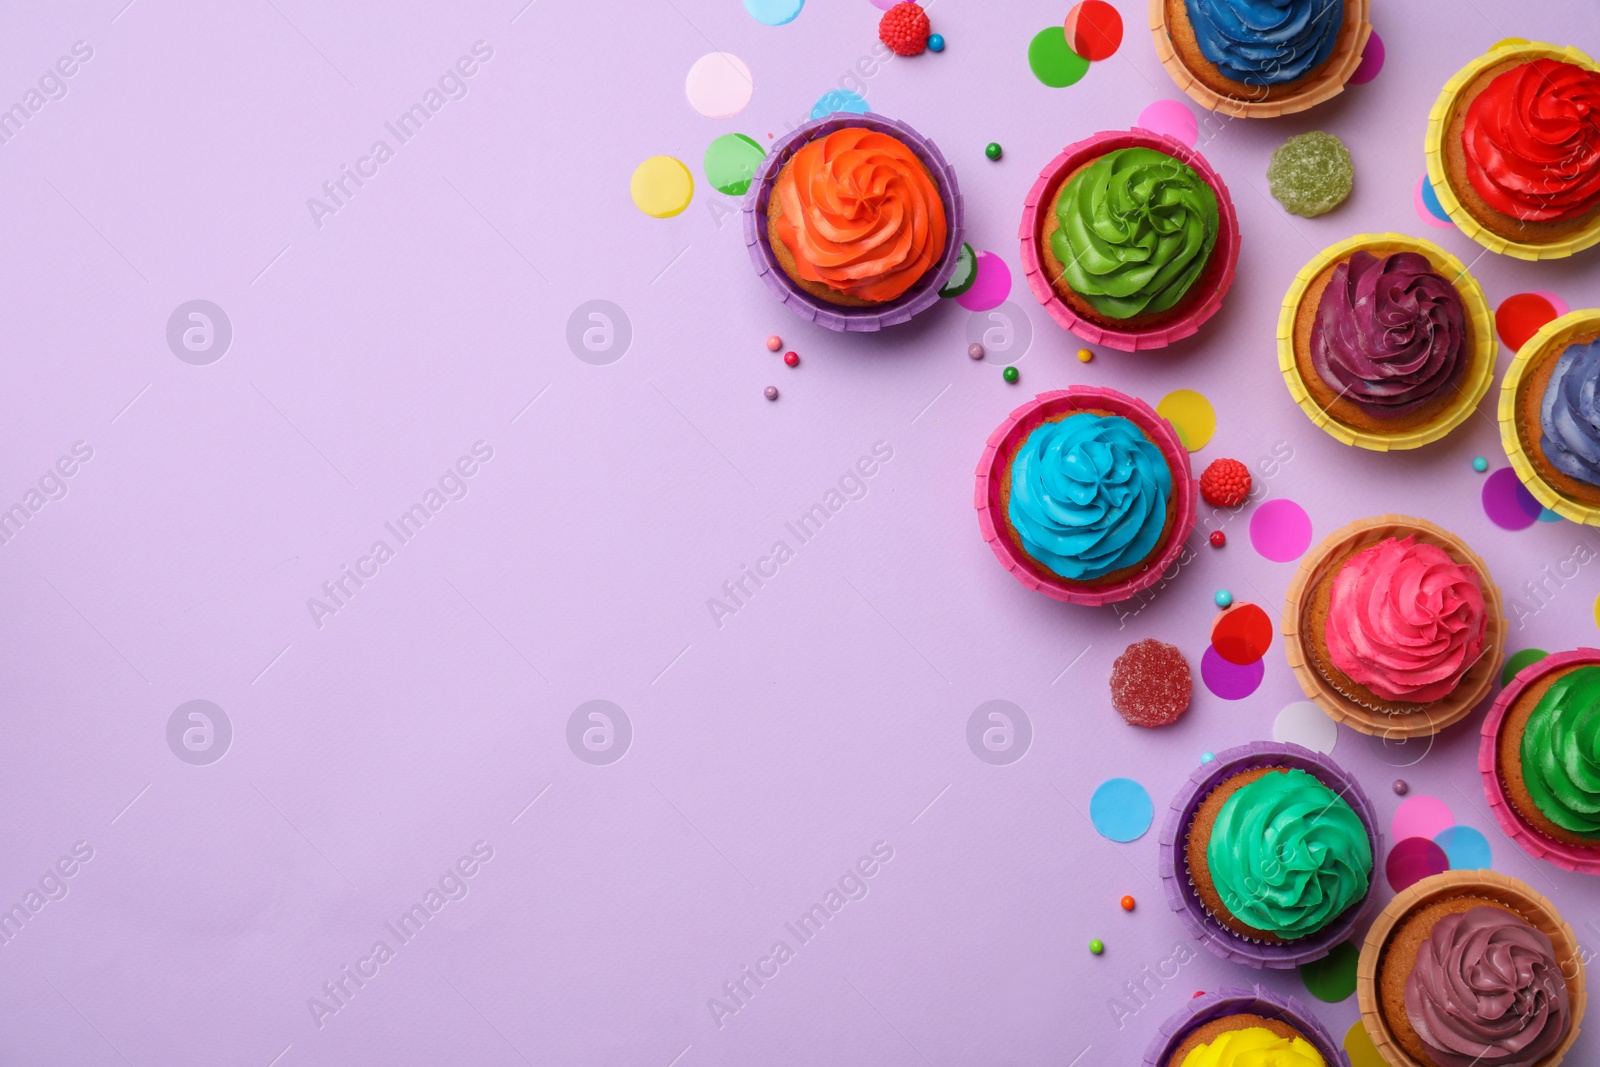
767 755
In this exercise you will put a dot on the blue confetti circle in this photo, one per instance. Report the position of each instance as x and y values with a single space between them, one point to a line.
1466 848
839 100
1121 809
774 12
1430 199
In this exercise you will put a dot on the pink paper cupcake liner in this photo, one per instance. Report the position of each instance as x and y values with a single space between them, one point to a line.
1003 443
1181 894
1583 860
921 296
1253 1001
1209 289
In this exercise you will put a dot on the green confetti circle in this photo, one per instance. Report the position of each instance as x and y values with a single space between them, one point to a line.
1053 60
731 162
1332 978
1519 660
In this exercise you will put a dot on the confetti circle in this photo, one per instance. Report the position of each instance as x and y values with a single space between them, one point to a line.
1426 203
774 12
1332 978
835 100
1230 681
1242 634
1280 530
731 161
662 187
990 289
1507 501
1121 809
1518 660
1421 816
1465 848
1192 415
1519 318
1053 61
719 85
1371 61
1555 301
1172 118
1306 725
1358 1044
1546 515
1412 860
1094 29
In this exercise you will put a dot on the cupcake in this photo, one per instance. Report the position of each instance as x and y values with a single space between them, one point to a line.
1086 495
1386 341
1550 418
1268 853
1129 240
1471 969
1540 759
1514 150
1260 58
856 221
1394 627
1243 1028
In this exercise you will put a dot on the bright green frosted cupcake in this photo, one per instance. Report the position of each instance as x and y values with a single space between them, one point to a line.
1550 755
1130 234
1276 855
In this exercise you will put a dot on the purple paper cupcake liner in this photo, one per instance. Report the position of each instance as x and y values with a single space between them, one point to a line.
921 296
1252 1001
1181 894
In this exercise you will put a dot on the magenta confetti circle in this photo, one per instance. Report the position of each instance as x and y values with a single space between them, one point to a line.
1412 860
991 287
1280 530
1371 61
1507 501
1230 681
1171 118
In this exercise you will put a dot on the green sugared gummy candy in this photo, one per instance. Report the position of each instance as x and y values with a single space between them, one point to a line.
1311 174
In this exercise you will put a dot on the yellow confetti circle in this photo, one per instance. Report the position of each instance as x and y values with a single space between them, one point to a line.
1191 415
1507 42
1361 1049
1597 611
662 187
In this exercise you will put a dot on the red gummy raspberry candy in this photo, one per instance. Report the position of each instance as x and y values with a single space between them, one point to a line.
1151 684
1225 483
904 28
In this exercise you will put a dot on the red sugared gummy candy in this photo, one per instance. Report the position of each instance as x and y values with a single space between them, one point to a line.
1225 483
1151 684
905 28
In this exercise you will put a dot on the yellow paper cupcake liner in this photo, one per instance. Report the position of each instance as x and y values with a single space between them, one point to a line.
1439 124
1474 384
1556 332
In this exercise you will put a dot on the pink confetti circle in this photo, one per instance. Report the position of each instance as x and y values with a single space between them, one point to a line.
1414 859
1507 501
1419 201
992 286
1555 301
1171 118
1281 530
1421 816
1230 681
1371 61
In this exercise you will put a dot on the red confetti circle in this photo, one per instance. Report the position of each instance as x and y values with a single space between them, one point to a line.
1242 634
1094 30
1151 684
1519 318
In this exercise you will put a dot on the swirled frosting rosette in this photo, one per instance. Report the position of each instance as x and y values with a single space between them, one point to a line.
1560 752
1486 990
1250 1027
1266 42
1405 620
1532 141
1569 414
1390 333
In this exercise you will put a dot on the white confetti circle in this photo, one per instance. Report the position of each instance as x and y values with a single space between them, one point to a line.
719 85
1307 725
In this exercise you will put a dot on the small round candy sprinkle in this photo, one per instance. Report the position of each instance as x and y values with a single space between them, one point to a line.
1127 903
1480 464
974 351
774 343
1084 355
770 392
994 151
1207 757
1198 993
1400 787
1218 538
1011 375
936 42
1097 946
791 358
1223 598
